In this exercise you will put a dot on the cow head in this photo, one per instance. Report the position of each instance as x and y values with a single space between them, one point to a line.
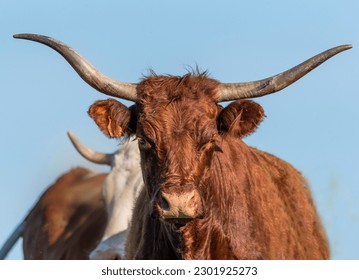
177 136
179 124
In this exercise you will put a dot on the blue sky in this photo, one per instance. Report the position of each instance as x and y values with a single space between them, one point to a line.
312 124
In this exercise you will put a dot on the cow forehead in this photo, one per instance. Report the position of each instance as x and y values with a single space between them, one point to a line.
166 89
177 103
178 121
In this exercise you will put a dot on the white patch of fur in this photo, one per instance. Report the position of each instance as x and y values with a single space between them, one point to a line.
111 248
120 191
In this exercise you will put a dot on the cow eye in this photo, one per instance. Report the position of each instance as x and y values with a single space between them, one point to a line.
207 141
143 143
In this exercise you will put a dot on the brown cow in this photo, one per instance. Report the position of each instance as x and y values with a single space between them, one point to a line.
207 194
69 220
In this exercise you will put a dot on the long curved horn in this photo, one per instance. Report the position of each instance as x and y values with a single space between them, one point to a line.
87 153
233 91
85 69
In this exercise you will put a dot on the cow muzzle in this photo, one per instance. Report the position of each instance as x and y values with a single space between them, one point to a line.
174 207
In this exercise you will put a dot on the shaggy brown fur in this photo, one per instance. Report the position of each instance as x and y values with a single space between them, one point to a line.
255 206
69 219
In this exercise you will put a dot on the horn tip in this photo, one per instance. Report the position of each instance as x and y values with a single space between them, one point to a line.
30 36
344 47
71 135
21 35
72 138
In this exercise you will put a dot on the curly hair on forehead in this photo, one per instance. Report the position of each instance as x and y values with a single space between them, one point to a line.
194 71
169 88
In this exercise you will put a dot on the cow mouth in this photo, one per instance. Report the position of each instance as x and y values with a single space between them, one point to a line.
177 221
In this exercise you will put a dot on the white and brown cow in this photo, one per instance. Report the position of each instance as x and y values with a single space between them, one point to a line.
119 190
84 214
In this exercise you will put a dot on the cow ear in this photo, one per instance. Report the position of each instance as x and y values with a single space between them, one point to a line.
113 118
241 118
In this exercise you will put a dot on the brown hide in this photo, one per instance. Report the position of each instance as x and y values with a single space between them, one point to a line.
68 220
261 208
255 206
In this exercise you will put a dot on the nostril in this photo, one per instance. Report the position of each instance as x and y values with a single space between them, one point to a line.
191 198
163 203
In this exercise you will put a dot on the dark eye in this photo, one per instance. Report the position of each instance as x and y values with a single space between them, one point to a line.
206 145
142 143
